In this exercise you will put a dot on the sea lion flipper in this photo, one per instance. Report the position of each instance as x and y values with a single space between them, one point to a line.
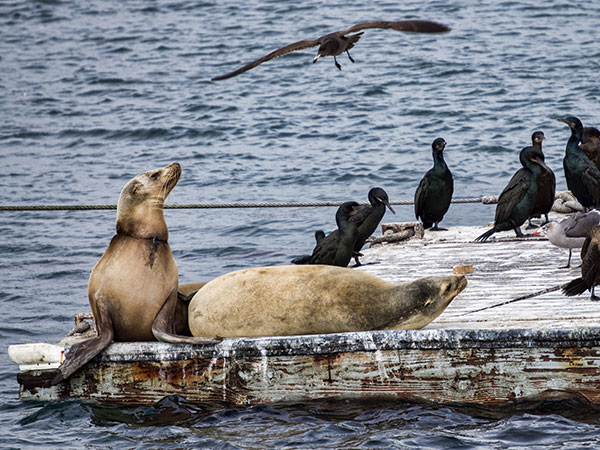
171 323
179 339
81 353
172 317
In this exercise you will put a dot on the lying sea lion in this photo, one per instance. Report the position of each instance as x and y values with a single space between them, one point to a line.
314 299
136 275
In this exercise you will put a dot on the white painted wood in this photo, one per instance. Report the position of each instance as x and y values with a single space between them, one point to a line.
504 268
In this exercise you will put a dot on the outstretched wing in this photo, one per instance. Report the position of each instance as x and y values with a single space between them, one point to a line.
409 26
274 54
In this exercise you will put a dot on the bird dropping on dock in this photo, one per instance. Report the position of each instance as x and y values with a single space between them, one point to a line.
338 42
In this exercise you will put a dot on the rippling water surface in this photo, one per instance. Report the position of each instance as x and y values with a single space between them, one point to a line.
93 93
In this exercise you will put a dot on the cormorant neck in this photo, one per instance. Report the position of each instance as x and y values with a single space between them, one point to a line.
574 140
438 159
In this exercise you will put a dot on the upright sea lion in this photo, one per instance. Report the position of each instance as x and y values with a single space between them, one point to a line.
136 275
314 299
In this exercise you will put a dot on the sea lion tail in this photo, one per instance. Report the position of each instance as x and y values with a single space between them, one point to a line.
575 287
80 354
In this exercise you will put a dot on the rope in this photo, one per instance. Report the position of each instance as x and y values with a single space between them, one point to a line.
485 200
518 299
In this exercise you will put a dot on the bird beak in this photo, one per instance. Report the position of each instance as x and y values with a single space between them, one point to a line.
316 58
386 203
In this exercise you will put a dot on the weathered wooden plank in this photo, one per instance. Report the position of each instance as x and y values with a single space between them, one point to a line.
503 269
424 366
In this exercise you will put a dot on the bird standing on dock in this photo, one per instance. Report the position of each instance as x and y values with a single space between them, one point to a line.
368 217
336 43
336 249
583 177
518 198
305 259
546 183
571 232
590 144
590 267
434 194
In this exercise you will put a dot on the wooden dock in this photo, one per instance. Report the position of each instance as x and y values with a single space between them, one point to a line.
508 337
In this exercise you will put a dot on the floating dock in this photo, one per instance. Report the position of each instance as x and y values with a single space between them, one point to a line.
510 336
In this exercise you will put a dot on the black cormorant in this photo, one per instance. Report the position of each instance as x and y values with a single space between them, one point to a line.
590 266
336 249
590 144
583 177
518 198
546 183
305 259
368 217
336 43
434 194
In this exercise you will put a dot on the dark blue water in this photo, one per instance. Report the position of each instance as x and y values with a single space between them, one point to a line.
93 93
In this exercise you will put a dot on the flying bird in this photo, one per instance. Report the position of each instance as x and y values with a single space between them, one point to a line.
336 43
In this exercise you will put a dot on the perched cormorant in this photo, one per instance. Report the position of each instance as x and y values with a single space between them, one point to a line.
571 232
368 217
546 183
590 144
590 266
518 198
305 259
433 196
336 249
583 177
336 43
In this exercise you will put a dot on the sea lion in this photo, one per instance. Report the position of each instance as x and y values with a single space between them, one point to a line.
314 299
137 273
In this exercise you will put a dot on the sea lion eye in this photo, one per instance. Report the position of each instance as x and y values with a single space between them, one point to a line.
155 175
445 288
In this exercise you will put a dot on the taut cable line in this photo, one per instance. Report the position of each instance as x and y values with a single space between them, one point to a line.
484 200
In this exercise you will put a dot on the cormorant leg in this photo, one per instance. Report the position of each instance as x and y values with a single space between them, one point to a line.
594 297
337 64
568 262
358 263
519 232
436 228
547 220
349 57
531 225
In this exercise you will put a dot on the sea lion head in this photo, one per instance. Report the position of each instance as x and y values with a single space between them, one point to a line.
140 207
430 297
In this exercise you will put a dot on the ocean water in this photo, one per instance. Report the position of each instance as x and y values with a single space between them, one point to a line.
93 93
